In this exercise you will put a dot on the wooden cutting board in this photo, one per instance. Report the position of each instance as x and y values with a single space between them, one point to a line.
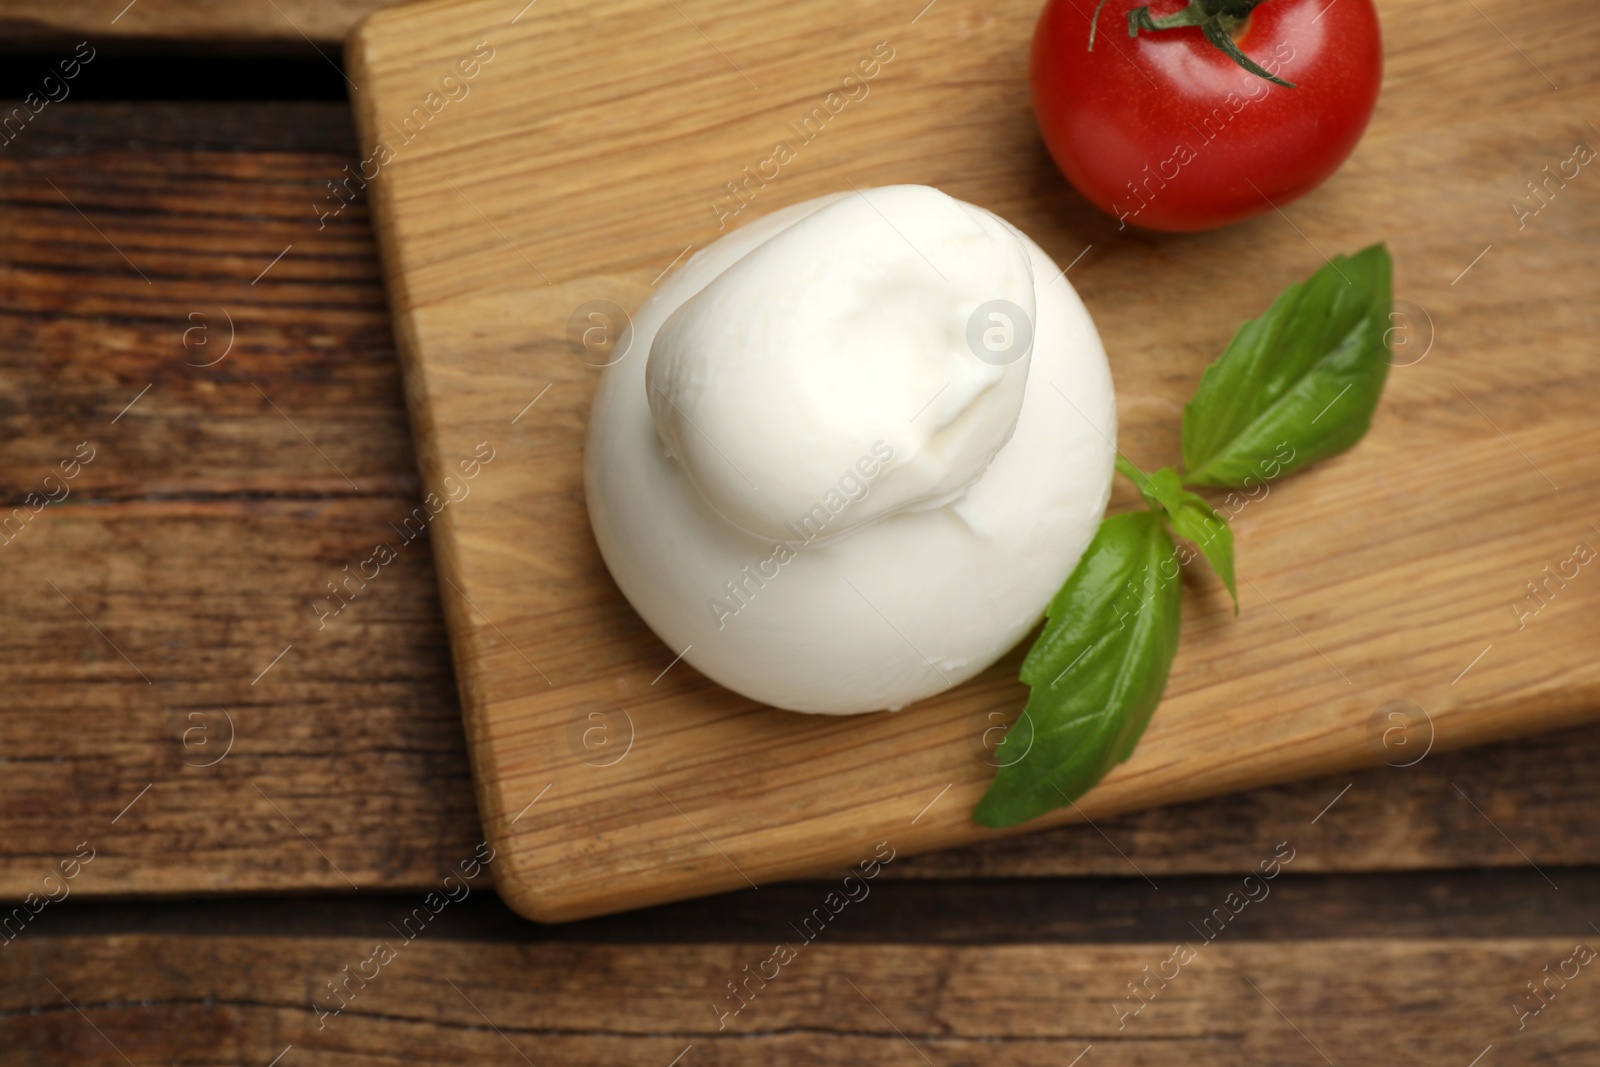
587 154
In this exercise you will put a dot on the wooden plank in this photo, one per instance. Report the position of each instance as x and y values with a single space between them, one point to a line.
1385 575
281 24
205 526
190 527
152 998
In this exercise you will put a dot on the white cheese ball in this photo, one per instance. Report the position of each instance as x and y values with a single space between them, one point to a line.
853 449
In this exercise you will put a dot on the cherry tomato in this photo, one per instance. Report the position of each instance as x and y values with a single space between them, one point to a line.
1165 131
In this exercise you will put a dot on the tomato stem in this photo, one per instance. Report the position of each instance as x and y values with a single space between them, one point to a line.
1217 19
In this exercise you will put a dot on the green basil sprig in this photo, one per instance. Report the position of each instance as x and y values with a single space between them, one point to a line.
1305 377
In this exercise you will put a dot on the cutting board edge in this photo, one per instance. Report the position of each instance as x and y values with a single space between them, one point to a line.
487 788
1560 710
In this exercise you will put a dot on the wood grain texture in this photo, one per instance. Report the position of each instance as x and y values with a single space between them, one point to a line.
206 525
569 175
196 537
287 25
162 998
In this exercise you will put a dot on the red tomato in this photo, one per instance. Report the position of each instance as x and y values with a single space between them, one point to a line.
1166 132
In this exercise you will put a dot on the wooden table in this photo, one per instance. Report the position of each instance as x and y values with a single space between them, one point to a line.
264 802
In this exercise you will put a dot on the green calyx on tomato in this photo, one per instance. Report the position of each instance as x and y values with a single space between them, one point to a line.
1217 19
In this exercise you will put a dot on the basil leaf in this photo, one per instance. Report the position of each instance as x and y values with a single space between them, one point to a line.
1097 670
1140 480
1191 516
1199 522
1305 377
1161 490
